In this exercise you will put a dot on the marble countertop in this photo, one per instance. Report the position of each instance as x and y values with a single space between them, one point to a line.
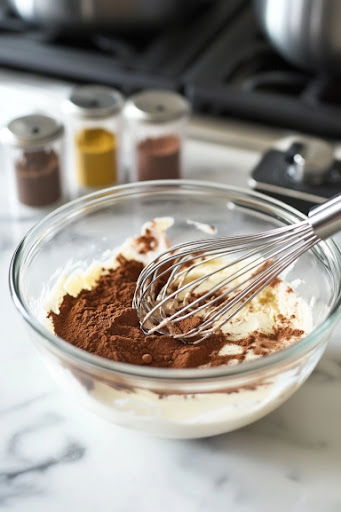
57 457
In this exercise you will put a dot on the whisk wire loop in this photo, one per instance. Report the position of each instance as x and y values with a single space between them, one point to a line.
176 286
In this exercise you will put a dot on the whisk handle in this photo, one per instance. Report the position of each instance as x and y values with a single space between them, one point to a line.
326 218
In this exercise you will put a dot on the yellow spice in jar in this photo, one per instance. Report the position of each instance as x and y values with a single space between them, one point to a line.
96 157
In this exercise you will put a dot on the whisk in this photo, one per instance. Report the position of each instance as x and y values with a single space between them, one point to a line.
172 297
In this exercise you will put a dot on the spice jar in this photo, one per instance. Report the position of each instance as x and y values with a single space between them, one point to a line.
156 122
33 151
94 134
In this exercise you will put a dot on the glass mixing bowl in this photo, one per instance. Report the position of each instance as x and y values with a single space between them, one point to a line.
184 403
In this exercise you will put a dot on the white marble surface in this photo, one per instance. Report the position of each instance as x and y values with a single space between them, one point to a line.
56 457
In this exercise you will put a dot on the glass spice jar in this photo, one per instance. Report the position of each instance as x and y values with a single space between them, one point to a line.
156 122
34 163
94 136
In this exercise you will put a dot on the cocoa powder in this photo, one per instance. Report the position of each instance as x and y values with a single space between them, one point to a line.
159 158
102 321
38 177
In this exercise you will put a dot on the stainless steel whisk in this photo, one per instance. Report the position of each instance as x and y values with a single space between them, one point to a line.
165 295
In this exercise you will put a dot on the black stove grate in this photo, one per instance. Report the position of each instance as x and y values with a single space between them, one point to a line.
242 76
158 59
219 60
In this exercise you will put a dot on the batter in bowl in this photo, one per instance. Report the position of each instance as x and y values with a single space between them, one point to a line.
93 311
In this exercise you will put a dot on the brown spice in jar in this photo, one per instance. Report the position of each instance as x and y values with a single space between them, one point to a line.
102 321
159 158
38 177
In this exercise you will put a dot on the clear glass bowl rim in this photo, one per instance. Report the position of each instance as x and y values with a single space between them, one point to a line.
98 362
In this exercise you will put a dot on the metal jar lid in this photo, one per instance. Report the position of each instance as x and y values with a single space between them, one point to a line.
94 101
156 106
31 131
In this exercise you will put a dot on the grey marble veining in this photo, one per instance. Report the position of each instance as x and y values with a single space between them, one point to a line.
57 457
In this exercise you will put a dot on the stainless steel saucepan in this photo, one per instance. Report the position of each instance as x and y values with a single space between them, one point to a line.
306 32
102 14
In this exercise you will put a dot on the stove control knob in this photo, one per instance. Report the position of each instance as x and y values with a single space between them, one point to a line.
309 159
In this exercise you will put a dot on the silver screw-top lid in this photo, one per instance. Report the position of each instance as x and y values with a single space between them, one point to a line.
94 101
156 106
31 131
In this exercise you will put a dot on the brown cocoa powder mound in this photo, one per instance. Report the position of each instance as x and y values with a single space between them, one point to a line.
102 321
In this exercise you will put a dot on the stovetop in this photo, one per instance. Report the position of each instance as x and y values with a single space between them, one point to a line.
220 61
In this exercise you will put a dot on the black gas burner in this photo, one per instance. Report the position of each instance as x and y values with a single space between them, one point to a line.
129 62
249 80
219 60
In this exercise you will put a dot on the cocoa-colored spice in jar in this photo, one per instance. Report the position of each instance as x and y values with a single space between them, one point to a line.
159 158
33 153
38 177
156 122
